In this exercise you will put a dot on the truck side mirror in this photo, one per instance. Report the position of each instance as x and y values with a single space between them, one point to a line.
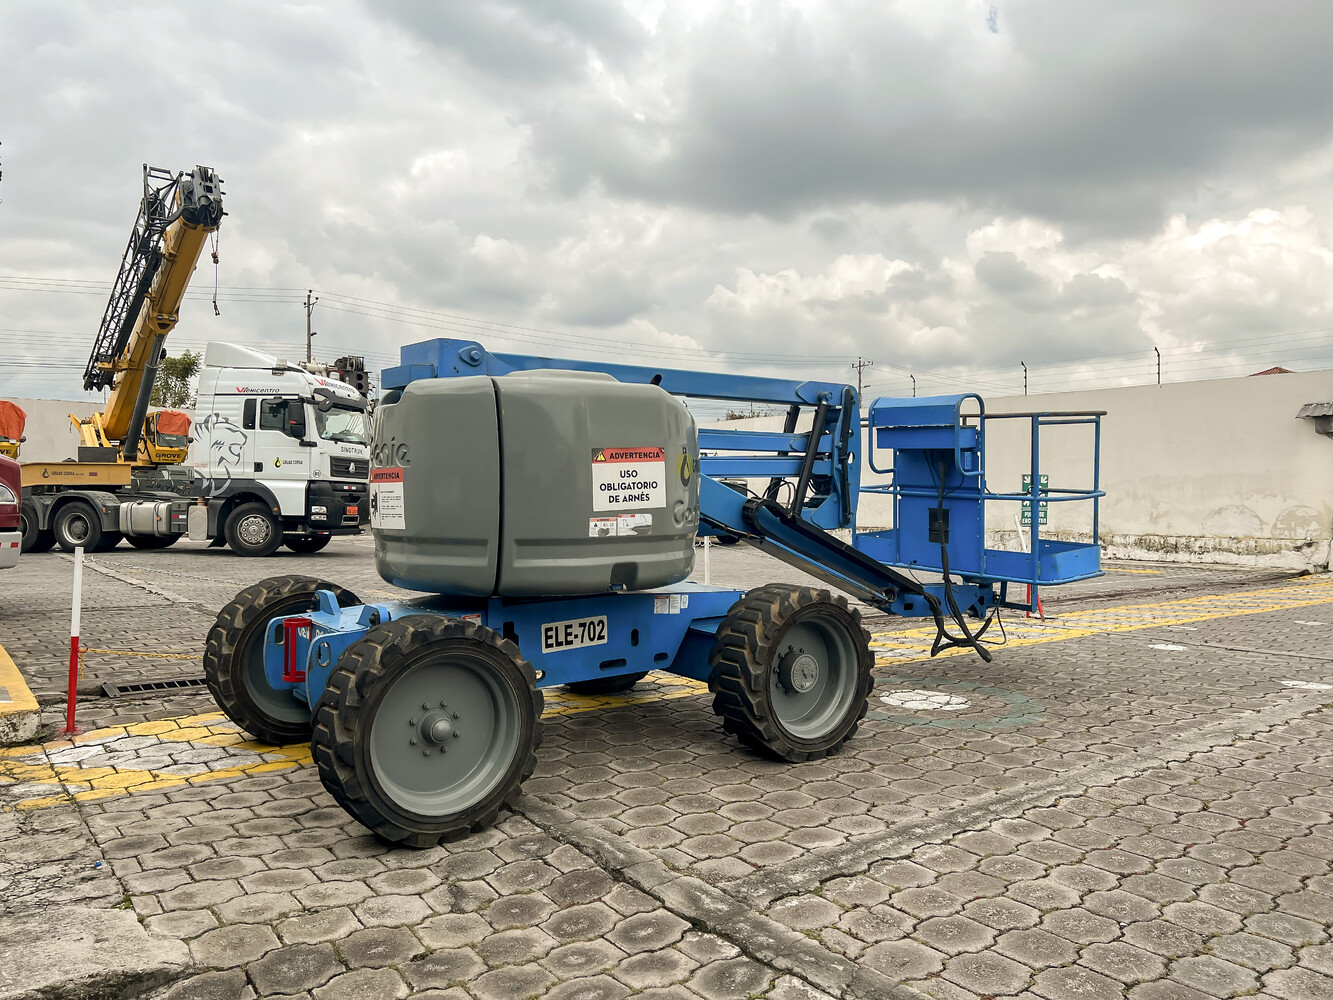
296 421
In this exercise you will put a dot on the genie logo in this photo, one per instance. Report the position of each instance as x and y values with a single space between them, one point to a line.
391 453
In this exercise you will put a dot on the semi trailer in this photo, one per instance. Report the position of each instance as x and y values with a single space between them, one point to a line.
548 510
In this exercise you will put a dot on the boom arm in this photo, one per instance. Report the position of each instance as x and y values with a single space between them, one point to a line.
176 216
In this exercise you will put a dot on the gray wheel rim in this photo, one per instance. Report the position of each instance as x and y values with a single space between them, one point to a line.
810 705
254 529
78 527
279 705
444 735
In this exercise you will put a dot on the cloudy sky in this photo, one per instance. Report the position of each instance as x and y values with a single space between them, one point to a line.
948 188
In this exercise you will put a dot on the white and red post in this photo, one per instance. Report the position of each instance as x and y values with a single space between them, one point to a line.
70 728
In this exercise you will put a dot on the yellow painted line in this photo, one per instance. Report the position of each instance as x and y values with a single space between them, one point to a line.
154 656
1134 617
20 700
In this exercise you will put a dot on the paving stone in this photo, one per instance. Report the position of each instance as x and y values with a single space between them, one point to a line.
580 886
294 968
380 946
446 967
526 910
1036 948
364 984
580 923
392 911
731 979
648 932
1081 926
257 908
791 988
806 912
705 948
231 946
590 988
988 974
1123 907
900 960
1002 914
1165 939
1213 976
229 985
517 982
1123 962
655 969
953 935
515 947
182 924
581 959
1063 984
1298 984
312 928
1284 927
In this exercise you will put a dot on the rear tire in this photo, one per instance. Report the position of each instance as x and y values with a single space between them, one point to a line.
384 735
35 539
306 544
791 671
606 685
252 530
234 657
153 541
77 525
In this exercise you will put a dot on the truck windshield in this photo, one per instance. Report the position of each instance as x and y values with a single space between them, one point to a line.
173 440
337 424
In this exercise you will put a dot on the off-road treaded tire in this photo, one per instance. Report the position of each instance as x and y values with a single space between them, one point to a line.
91 542
606 685
746 654
148 542
34 538
238 544
238 623
306 544
360 682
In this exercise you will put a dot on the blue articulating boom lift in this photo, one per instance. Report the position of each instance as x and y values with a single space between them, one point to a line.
546 568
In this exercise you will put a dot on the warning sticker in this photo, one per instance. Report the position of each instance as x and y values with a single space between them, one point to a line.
625 478
620 526
386 499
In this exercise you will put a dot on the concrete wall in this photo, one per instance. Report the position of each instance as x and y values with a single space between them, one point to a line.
51 436
1210 471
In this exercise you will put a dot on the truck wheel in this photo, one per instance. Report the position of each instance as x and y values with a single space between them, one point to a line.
34 538
791 671
427 728
77 524
252 530
606 685
306 543
234 657
153 541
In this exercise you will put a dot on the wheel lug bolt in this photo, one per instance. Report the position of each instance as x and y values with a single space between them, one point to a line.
425 753
425 706
455 715
411 722
457 734
443 703
413 741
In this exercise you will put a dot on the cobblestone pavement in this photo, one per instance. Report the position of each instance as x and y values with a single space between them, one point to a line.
1131 800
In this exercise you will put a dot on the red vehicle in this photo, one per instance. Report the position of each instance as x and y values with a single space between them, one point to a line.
11 538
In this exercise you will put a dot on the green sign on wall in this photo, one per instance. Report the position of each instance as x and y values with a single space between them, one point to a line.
1043 484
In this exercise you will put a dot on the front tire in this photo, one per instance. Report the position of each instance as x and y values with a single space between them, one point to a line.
791 671
35 539
77 525
252 530
428 727
234 657
305 544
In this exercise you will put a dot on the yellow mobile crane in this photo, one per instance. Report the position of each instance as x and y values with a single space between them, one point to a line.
177 214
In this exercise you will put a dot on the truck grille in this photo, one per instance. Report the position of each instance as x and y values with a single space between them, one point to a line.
350 468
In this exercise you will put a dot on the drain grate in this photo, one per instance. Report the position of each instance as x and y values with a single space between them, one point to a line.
113 690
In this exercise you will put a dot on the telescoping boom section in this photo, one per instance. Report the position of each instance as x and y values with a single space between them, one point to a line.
549 509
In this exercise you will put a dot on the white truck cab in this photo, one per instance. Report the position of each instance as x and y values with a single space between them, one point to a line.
281 454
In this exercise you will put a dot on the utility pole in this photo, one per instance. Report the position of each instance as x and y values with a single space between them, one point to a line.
1159 365
861 365
309 333
913 378
1025 377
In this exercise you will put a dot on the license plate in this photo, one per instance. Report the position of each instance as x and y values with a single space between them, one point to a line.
353 510
559 636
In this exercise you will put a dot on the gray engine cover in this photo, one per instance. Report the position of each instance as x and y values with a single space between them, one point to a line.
534 484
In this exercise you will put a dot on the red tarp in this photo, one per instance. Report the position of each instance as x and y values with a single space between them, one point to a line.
12 420
173 422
